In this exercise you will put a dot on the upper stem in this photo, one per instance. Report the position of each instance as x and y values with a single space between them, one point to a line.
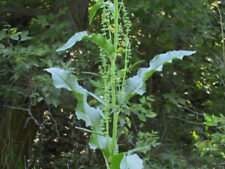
113 78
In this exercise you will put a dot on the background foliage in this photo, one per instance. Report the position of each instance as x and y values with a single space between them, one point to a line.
37 128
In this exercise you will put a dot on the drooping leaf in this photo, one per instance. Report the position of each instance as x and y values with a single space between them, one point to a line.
92 116
131 162
136 84
99 39
64 79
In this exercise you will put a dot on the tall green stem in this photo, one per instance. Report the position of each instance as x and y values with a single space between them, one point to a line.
125 70
113 79
107 118
222 33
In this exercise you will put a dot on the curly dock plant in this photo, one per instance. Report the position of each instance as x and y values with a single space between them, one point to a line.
114 46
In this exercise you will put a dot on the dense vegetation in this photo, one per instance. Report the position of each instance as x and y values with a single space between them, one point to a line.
180 117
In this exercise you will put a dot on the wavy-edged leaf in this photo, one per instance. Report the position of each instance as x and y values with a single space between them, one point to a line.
131 162
92 116
136 84
99 39
64 79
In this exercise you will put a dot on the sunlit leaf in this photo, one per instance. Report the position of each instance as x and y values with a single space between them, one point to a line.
211 120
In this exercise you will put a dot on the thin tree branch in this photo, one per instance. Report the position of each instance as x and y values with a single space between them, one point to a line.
28 110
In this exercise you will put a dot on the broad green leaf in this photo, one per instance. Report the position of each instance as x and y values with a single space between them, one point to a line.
93 11
99 39
116 160
212 120
64 79
22 36
96 7
131 162
136 84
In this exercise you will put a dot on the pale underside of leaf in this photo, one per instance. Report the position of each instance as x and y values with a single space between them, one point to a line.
64 79
136 84
131 162
100 142
92 116
99 39
72 41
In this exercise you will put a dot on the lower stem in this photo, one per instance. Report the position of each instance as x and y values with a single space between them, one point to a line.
113 79
115 120
107 129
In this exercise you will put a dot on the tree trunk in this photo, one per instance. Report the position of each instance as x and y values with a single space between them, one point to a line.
79 12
